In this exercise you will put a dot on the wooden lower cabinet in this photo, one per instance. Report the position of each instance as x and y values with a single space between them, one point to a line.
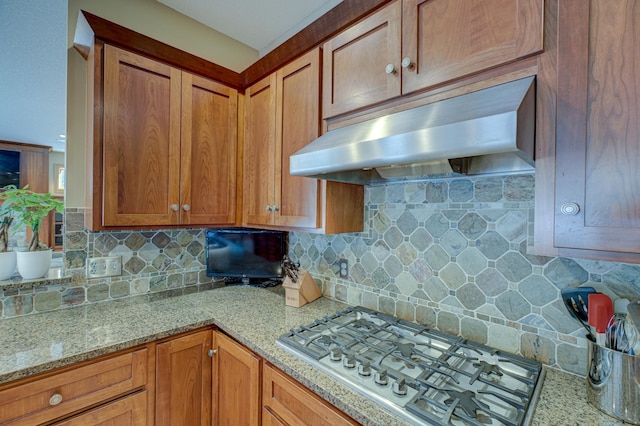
59 395
236 383
287 402
183 380
128 411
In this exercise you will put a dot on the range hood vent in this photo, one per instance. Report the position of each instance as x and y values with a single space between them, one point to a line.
491 131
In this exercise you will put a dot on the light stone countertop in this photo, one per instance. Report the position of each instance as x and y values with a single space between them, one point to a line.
253 316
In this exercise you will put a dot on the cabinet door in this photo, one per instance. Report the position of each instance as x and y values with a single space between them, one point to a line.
128 411
598 126
208 152
259 152
448 39
236 384
355 63
291 403
183 380
141 140
297 124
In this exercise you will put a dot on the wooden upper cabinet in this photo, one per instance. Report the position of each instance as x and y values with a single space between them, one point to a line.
297 124
443 40
411 45
236 383
598 128
282 115
169 148
355 72
183 380
259 152
208 152
141 151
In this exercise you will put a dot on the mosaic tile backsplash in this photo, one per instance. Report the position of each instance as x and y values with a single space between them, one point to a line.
451 253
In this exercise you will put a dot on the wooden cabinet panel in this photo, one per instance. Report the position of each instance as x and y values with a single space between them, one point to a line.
55 396
183 380
128 411
141 140
291 403
282 116
236 384
598 126
355 62
448 39
165 145
297 124
208 152
425 43
259 151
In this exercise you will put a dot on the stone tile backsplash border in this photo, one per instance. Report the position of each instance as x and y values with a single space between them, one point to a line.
453 253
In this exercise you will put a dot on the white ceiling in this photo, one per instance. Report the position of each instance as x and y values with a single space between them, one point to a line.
260 24
33 71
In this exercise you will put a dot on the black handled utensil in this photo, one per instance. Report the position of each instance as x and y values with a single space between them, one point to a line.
576 301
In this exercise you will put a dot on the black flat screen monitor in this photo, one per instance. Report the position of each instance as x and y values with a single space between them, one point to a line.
9 168
246 255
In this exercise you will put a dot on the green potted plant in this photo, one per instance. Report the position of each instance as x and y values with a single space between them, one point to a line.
30 208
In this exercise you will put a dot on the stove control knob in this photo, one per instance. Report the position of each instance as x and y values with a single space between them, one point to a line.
364 369
400 387
335 355
349 361
381 377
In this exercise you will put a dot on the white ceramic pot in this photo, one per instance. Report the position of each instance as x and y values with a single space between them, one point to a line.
33 264
7 264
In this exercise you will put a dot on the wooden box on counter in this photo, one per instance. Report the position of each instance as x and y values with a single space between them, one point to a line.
301 292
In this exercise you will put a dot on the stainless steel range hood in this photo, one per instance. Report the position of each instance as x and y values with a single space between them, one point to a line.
485 132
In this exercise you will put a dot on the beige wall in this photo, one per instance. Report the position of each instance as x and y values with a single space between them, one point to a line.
154 20
162 23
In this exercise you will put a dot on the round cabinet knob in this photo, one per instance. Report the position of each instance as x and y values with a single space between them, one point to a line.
175 207
570 209
275 208
268 208
186 207
55 399
212 352
390 69
407 64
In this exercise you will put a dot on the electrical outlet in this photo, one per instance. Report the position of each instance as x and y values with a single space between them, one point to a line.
344 268
104 266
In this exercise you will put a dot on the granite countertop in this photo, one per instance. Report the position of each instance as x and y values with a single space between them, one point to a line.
253 316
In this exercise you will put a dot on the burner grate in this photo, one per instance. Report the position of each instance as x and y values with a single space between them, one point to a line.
423 375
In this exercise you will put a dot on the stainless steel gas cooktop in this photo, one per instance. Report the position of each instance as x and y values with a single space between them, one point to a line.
423 375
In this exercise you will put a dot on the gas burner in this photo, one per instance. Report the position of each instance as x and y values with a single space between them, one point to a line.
363 323
423 375
486 369
466 401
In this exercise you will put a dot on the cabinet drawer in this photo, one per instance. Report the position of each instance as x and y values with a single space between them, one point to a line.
128 411
287 402
55 396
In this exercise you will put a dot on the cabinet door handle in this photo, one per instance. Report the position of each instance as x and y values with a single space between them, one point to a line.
407 64
268 208
55 399
212 352
175 207
186 207
275 208
570 209
390 69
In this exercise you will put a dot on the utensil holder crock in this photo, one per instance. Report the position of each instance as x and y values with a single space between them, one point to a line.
613 382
